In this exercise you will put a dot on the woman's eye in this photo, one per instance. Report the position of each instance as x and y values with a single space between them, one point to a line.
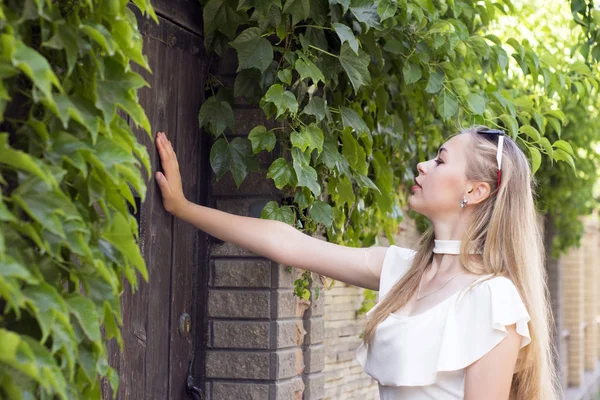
438 161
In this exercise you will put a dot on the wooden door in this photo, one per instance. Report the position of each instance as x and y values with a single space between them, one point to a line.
163 321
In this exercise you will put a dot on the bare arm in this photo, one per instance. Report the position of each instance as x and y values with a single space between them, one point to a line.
271 239
490 377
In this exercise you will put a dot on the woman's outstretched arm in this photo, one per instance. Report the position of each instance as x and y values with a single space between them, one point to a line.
275 240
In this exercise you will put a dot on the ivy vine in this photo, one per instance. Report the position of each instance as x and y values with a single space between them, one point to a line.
69 168
365 89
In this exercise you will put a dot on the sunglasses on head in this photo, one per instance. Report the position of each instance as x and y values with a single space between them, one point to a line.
500 134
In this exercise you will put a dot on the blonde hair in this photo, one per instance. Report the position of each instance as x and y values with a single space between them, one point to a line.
504 228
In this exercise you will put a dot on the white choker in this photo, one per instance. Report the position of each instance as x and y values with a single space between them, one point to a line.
447 246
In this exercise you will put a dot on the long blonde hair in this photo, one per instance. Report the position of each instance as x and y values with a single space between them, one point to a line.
504 228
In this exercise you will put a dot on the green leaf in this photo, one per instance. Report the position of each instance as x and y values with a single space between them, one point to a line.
346 35
23 161
284 100
354 153
282 173
85 312
447 105
365 11
460 85
274 212
253 50
121 236
435 83
350 118
356 66
221 15
262 139
298 9
531 132
322 212
220 158
307 175
310 137
411 72
316 106
565 146
477 103
386 9
561 155
35 66
242 159
536 158
99 34
511 124
216 115
307 69
285 75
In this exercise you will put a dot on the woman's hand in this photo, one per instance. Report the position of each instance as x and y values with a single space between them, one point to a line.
174 200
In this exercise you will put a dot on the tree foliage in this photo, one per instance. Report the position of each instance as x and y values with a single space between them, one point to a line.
69 169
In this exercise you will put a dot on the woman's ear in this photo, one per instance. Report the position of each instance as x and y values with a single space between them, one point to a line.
479 192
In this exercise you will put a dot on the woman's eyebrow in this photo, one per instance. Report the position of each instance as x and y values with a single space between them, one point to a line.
442 149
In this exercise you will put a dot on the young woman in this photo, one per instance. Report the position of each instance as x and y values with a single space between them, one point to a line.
466 315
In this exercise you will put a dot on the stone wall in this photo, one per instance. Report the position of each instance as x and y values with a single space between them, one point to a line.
262 341
344 377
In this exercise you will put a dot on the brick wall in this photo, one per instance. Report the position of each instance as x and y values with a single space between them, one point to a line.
262 341
344 377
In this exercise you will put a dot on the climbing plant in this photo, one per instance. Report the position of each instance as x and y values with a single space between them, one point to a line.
69 168
361 90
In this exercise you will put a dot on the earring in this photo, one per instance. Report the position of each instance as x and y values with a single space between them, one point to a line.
463 202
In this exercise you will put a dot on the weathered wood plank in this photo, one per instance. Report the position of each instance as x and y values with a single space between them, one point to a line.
191 77
144 363
187 13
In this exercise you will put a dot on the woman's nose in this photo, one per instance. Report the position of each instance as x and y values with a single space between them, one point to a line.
421 167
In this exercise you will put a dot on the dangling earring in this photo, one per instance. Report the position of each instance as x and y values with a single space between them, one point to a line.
463 202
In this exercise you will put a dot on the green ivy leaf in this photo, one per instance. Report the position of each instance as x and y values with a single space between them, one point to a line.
386 9
283 100
262 139
310 137
561 155
85 312
346 36
356 66
350 118
322 212
365 11
282 173
274 212
221 15
216 115
242 159
298 9
220 158
307 69
316 107
253 50
306 175
285 75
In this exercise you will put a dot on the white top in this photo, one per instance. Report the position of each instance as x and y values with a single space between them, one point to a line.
424 356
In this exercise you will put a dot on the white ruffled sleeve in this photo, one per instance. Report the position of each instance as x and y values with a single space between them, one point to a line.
396 263
479 321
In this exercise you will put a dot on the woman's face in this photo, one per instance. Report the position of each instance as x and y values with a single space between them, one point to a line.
442 182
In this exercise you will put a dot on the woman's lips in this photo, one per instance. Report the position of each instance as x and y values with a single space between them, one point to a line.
416 187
